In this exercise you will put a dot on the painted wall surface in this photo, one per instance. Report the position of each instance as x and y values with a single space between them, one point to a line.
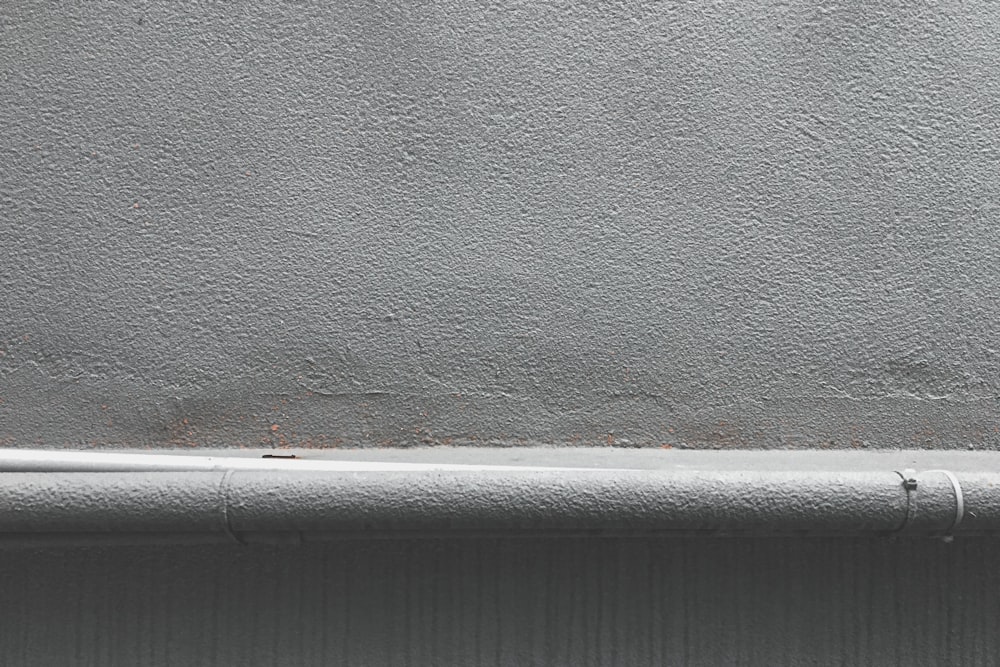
507 602
725 224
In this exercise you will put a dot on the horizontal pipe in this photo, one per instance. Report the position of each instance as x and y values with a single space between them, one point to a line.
303 505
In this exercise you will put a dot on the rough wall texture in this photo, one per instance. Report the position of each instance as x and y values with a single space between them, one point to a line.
626 602
313 223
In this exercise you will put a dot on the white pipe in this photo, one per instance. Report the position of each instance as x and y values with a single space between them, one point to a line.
79 497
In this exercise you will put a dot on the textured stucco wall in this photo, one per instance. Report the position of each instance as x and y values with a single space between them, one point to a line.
727 224
507 602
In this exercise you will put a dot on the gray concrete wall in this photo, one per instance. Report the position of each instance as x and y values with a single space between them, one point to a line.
313 223
507 602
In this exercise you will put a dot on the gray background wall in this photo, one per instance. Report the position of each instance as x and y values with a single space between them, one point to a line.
341 223
729 224
507 602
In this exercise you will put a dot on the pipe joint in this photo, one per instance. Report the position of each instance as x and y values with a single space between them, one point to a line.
935 502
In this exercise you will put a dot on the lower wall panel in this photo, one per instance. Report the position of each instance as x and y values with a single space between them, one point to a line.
683 601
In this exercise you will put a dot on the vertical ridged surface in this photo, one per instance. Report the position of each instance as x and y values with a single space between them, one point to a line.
679 601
